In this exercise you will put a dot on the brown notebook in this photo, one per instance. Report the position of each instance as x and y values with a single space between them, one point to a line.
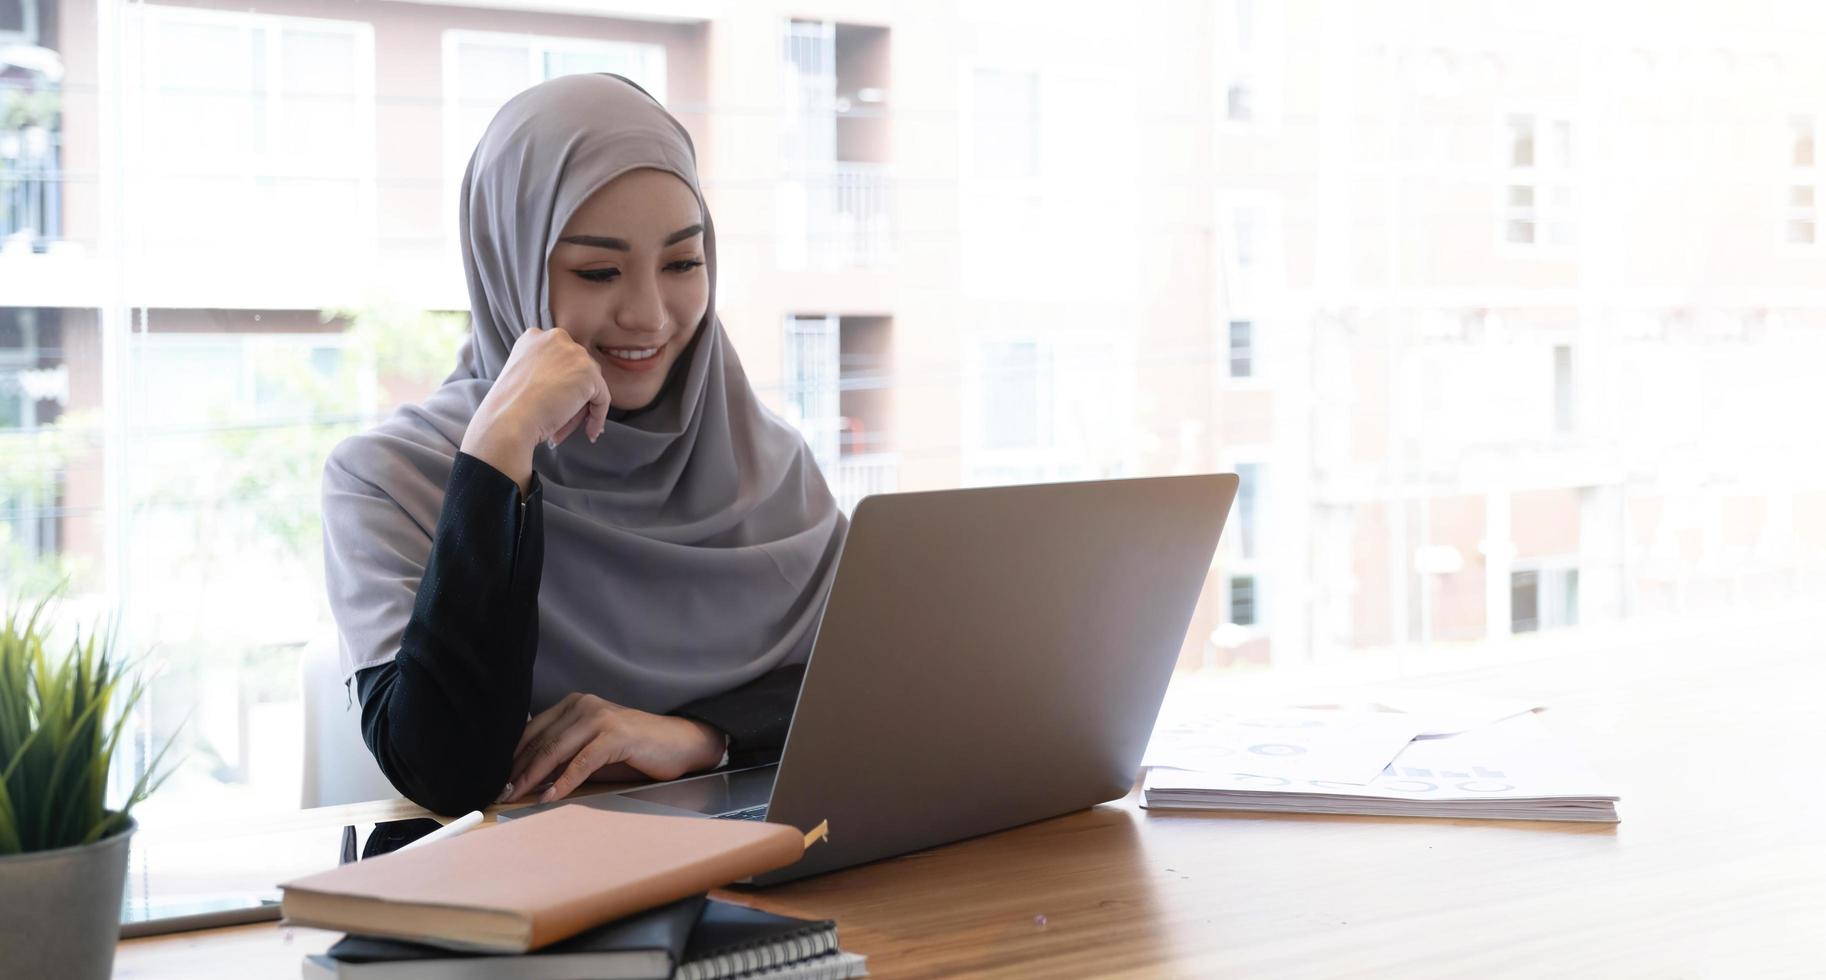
523 884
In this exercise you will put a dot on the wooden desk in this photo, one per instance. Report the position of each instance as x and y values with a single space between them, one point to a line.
1718 869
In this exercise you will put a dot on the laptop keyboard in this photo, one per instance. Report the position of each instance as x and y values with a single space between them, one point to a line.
752 813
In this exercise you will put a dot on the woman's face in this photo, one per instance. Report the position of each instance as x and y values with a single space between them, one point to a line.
628 281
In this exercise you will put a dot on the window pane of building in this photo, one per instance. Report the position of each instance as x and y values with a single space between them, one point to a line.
1245 519
1563 418
1524 602
1521 141
1017 407
1242 349
1242 600
1006 123
1240 102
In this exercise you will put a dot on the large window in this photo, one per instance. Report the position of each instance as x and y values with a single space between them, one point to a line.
248 127
1569 341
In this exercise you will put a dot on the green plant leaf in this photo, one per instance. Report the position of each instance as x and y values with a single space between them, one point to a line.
62 723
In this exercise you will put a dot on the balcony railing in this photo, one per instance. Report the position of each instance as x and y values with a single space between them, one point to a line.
31 186
837 218
855 477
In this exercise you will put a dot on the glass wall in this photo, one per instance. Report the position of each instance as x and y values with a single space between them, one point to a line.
1508 324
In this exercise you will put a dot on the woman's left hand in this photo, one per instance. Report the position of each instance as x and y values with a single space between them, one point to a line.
584 734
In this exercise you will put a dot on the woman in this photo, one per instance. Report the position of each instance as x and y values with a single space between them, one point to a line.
593 522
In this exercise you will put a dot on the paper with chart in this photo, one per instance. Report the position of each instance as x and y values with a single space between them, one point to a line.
1441 713
1291 743
1516 768
1345 735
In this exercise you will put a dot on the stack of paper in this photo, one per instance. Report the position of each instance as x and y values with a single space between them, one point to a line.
1514 769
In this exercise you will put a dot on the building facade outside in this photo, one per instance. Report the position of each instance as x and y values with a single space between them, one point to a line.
1504 315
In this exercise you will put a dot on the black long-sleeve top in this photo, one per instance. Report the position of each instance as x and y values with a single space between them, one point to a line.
442 718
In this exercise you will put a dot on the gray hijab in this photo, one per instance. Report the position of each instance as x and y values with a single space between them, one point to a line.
691 548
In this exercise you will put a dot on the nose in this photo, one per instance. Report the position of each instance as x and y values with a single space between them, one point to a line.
642 309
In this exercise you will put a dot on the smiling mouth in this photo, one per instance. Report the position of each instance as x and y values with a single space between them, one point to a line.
633 358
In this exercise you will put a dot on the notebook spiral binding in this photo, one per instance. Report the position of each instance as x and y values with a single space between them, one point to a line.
743 962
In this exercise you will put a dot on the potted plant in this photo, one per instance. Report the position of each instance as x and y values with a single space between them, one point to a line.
63 854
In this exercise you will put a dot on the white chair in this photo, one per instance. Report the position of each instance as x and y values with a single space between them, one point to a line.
338 768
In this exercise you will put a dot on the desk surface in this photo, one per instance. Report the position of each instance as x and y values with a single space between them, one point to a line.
1718 868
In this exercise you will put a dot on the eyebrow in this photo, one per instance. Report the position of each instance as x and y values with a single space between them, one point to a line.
621 244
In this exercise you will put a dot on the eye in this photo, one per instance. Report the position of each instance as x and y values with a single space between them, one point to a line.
598 275
685 265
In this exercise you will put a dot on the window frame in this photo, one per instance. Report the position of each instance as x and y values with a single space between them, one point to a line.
1230 348
796 387
1250 292
967 133
1542 179
1230 560
1795 176
141 19
1565 424
28 26
1256 607
27 509
982 463
1550 581
1258 64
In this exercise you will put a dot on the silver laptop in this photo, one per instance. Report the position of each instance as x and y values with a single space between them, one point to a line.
988 657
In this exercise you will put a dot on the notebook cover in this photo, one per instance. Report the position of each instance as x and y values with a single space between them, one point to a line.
557 873
666 929
725 927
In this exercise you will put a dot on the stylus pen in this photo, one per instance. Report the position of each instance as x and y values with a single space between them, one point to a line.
450 829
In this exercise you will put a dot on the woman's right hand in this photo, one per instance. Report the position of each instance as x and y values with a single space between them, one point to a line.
549 386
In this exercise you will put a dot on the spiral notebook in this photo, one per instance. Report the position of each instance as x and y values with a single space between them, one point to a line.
735 941
696 939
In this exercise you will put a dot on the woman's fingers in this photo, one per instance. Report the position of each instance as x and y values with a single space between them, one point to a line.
547 750
598 752
553 754
598 408
565 430
537 725
579 738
